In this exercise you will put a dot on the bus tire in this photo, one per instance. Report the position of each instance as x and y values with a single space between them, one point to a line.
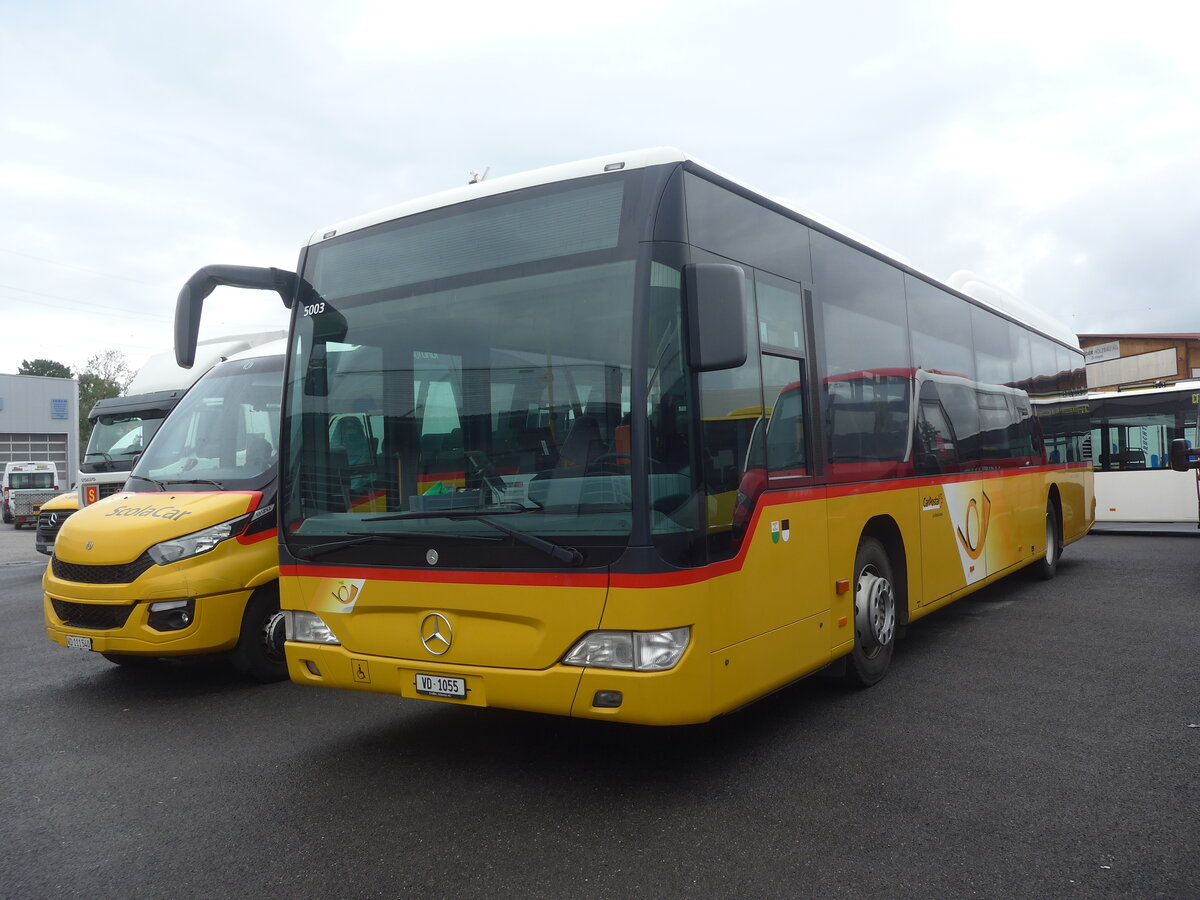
258 655
1047 567
874 615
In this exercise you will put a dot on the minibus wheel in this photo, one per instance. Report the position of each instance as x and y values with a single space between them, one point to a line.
874 615
257 655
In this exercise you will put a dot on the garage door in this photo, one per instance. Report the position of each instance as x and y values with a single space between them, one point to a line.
19 447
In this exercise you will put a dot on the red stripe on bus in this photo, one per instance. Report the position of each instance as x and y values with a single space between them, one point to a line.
679 577
430 576
248 539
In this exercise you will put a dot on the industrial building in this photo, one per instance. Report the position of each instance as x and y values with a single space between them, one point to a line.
39 420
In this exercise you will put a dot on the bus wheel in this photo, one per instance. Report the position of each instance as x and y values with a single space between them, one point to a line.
874 615
1047 568
258 655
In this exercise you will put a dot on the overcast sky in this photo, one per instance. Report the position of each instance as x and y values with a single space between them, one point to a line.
1051 147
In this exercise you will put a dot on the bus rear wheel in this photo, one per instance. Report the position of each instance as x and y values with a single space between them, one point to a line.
1048 566
259 655
874 615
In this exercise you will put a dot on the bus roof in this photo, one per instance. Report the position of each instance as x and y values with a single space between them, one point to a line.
963 283
638 159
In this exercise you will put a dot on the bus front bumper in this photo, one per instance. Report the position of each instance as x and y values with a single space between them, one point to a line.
675 697
214 623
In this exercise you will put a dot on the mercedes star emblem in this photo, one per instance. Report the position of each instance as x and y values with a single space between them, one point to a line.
436 633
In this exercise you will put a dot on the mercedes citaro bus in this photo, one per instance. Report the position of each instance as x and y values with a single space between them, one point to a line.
562 373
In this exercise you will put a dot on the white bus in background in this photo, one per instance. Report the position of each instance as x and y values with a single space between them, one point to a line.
1132 432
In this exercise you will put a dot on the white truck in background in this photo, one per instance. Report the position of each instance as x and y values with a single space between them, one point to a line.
122 426
26 486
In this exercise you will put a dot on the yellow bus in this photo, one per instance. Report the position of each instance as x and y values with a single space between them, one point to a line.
562 371
183 561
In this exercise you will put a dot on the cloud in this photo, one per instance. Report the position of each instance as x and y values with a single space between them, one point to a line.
1050 146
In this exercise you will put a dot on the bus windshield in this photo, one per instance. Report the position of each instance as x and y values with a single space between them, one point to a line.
223 434
454 372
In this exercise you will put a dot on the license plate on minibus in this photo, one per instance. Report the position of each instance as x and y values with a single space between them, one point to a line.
442 686
75 642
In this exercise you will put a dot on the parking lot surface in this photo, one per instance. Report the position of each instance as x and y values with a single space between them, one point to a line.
1035 739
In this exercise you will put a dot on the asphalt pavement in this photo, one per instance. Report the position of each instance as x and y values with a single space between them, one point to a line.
1037 739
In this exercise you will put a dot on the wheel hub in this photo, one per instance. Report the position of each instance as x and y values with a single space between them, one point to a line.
274 635
874 609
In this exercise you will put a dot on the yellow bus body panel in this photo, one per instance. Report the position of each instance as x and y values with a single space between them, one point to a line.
781 609
506 639
219 581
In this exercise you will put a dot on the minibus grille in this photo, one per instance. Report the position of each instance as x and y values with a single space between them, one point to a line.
122 574
92 615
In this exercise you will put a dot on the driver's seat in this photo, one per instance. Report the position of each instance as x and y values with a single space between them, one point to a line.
582 444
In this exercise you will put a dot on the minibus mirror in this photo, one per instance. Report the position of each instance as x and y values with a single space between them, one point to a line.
1181 455
204 282
715 294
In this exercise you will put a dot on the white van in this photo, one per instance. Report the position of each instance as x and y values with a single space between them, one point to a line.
26 486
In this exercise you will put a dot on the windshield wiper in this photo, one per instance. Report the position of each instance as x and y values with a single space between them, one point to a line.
369 537
568 555
452 513
163 484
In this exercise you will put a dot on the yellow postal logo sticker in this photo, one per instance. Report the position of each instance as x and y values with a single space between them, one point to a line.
979 513
337 595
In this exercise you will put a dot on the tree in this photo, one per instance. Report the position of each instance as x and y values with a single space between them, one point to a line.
110 365
92 389
105 375
46 367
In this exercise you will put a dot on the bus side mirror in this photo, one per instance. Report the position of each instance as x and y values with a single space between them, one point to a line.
191 299
715 294
1181 456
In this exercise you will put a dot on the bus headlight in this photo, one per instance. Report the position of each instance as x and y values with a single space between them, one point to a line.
641 651
197 542
307 628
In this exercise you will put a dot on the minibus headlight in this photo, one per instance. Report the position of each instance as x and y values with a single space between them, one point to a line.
307 628
641 651
197 542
